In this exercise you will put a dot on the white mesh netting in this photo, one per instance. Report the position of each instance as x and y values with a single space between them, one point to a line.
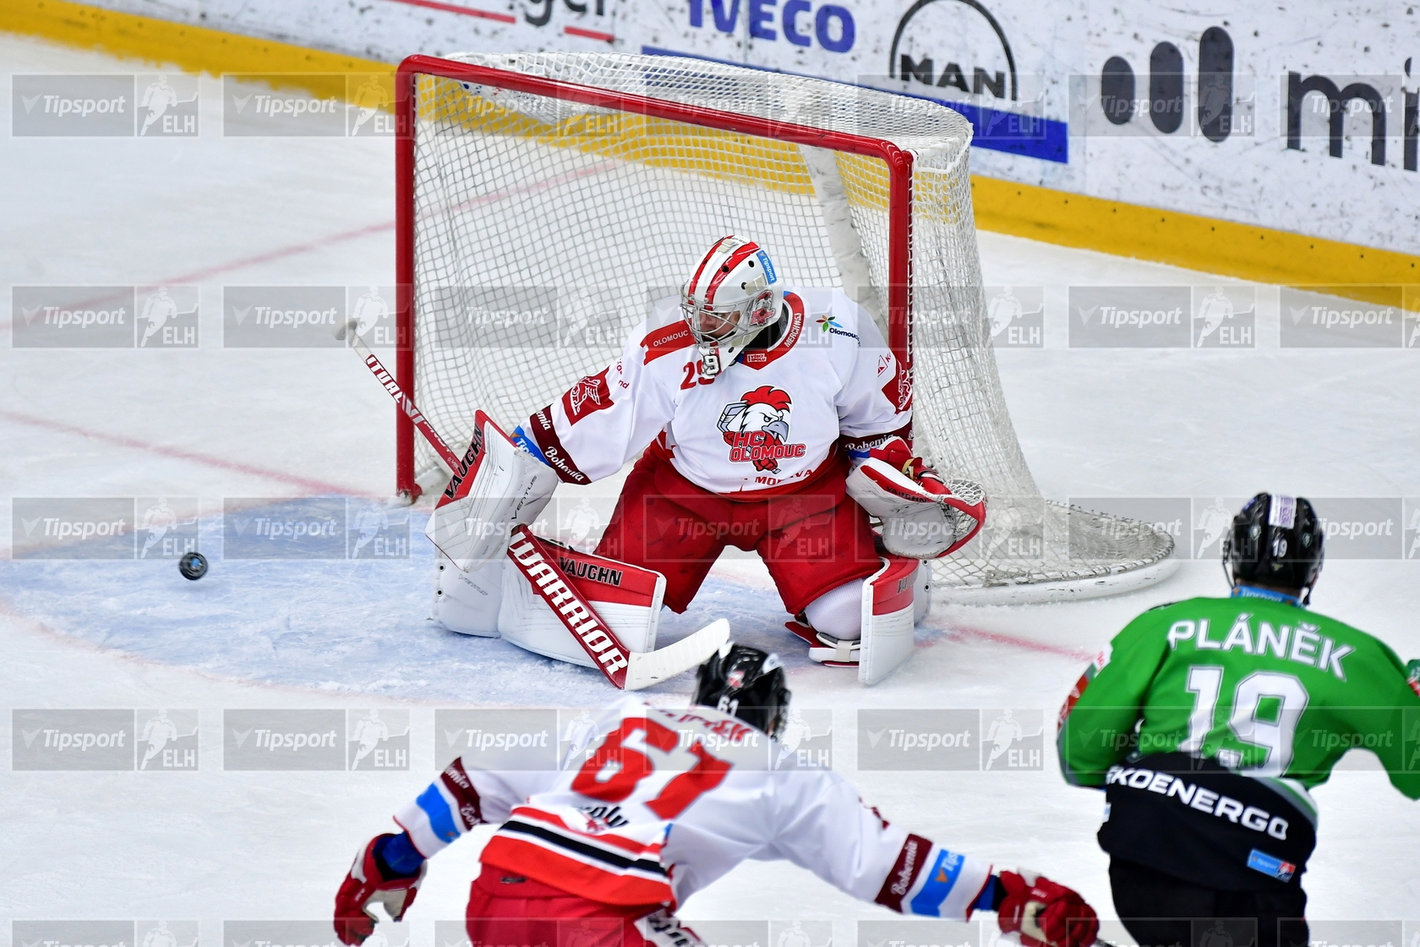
543 229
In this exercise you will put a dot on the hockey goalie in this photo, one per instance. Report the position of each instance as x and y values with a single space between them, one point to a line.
767 417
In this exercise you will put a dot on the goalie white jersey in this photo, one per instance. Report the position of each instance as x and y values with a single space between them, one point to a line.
647 806
768 421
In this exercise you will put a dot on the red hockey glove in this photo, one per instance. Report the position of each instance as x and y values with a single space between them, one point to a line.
366 884
1043 913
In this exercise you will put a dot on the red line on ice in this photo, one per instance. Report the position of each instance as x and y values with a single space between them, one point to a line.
178 453
1024 643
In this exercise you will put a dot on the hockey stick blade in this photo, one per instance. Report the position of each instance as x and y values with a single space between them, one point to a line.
651 667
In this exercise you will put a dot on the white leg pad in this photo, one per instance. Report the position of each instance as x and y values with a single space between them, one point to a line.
467 603
627 598
888 606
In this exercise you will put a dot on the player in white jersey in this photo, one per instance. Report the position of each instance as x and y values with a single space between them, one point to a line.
648 806
775 420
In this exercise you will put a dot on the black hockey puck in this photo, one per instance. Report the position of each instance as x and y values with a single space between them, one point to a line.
192 565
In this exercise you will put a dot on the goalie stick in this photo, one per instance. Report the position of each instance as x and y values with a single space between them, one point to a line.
627 670
347 333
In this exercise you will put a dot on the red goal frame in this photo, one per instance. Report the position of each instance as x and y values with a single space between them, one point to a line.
899 163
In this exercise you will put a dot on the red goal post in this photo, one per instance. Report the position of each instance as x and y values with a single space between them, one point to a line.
509 166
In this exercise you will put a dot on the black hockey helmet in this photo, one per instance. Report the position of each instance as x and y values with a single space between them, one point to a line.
746 682
1275 541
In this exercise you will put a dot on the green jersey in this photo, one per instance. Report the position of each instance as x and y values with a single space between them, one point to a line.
1264 687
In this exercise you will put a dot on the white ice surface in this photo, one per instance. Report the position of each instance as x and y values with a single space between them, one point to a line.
217 423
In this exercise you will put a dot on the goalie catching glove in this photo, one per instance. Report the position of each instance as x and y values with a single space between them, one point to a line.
372 880
923 516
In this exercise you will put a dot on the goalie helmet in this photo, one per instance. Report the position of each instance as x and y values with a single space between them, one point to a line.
747 683
1276 541
731 297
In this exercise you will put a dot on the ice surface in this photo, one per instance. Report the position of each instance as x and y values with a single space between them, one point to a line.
268 430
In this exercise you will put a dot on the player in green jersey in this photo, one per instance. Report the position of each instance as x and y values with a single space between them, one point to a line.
1207 721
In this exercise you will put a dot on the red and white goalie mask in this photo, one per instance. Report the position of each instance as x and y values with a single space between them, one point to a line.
733 294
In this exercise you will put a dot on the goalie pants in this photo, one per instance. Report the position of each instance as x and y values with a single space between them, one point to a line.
506 910
812 539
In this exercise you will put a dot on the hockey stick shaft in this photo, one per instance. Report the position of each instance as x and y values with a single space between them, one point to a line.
401 398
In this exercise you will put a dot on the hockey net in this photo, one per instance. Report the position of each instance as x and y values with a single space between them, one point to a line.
546 199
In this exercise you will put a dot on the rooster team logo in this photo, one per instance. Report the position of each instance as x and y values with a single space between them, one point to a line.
757 428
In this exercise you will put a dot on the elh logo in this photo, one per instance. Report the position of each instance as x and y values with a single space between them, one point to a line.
1410 537
1016 316
1012 739
1165 98
167 740
377 739
1224 317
